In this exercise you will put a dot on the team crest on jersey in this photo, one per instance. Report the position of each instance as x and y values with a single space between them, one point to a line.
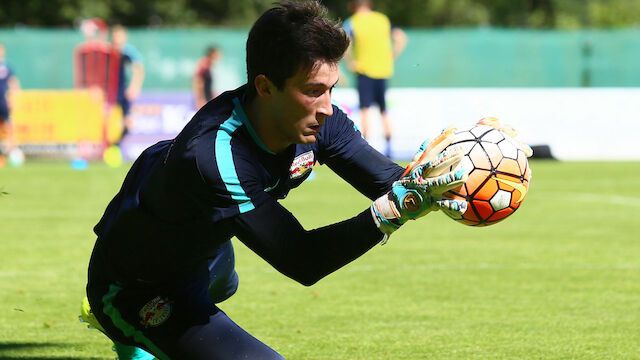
302 164
155 312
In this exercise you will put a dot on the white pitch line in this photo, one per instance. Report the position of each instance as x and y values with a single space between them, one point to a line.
496 266
633 201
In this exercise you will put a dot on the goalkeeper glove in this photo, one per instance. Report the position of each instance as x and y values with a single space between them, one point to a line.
431 149
507 129
411 198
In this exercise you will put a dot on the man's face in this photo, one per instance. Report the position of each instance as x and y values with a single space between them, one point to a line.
119 38
213 56
303 105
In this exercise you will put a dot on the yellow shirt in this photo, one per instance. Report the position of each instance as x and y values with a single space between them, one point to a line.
372 49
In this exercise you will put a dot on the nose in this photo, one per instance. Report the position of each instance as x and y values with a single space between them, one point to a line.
324 106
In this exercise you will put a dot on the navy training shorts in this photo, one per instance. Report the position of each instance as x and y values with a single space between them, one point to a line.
372 91
178 320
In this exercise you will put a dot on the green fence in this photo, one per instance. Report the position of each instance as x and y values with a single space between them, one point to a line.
433 58
519 58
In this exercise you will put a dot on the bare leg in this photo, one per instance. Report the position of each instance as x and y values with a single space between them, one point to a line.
386 124
388 132
364 122
6 136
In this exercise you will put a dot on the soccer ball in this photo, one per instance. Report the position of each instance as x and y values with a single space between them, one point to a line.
499 179
16 157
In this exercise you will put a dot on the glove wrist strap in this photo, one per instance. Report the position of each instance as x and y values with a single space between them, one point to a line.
385 215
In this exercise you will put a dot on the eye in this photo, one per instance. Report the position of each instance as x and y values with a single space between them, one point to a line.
315 92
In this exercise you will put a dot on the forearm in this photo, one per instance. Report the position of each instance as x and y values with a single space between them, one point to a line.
399 41
306 256
137 78
368 171
197 86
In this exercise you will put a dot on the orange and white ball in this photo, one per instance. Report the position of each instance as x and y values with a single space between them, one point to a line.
500 178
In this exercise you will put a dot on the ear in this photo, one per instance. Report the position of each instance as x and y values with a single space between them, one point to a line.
264 86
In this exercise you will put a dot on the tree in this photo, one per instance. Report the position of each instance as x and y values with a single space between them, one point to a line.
405 13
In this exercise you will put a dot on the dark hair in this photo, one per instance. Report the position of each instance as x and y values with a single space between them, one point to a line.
357 3
290 37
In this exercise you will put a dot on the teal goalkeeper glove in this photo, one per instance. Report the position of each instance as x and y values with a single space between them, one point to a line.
430 149
422 192
507 129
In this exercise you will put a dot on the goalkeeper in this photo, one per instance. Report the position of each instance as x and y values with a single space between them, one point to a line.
163 256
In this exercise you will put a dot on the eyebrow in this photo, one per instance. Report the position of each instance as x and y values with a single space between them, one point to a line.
322 84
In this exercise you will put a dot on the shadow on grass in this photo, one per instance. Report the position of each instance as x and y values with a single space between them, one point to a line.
12 347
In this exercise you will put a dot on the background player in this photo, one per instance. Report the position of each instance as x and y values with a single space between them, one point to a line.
202 82
129 87
9 84
375 44
163 257
96 63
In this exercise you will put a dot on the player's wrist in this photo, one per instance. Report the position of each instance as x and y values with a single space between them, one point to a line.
411 203
393 209
384 225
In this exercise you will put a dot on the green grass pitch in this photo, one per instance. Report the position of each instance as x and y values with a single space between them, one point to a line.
560 279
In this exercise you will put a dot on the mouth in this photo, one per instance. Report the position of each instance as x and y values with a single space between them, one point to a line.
315 128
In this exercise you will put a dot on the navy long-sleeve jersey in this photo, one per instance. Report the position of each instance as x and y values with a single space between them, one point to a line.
184 198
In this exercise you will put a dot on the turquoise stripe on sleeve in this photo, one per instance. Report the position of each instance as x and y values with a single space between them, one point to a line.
224 159
126 328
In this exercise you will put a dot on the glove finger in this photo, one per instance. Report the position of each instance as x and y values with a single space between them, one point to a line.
422 148
443 183
507 129
431 148
526 149
453 208
420 151
435 168
439 172
495 123
439 143
444 162
418 155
